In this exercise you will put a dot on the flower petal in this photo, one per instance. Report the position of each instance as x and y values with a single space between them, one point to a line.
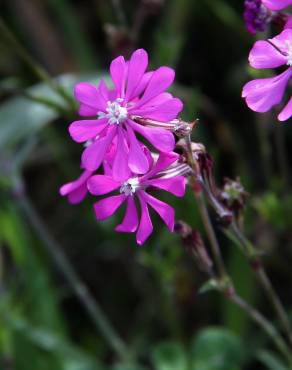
175 185
130 221
101 184
107 207
145 226
283 40
165 112
120 167
288 24
76 190
137 67
161 79
286 113
265 55
151 104
138 160
118 71
164 161
160 138
73 185
262 94
78 195
90 95
165 211
94 154
142 85
277 4
84 130
86 111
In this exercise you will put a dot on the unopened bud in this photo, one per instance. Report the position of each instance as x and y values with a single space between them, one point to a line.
194 245
177 126
182 128
233 195
197 148
206 163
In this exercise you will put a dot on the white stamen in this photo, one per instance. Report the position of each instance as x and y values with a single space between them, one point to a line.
289 52
130 186
116 114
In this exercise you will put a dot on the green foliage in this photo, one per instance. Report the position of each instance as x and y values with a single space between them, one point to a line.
211 349
169 356
271 361
275 210
23 117
217 349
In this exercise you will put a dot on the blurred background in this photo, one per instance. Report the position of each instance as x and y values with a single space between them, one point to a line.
141 308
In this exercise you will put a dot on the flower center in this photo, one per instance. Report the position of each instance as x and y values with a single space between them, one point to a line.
289 52
115 113
130 186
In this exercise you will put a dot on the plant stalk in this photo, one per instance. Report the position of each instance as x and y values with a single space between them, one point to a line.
55 251
257 266
205 215
267 327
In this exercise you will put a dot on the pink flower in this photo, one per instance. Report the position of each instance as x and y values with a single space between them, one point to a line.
288 23
76 190
162 174
136 93
277 4
262 94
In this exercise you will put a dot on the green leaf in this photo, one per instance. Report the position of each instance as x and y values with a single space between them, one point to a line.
38 299
22 117
169 356
216 349
271 361
209 285
127 367
71 356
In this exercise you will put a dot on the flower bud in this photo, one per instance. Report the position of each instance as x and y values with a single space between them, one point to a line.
194 245
233 195
177 126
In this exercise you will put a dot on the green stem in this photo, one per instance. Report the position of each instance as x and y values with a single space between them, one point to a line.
205 215
37 69
263 278
87 300
267 327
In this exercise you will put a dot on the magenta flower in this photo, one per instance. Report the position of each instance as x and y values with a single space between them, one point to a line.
162 174
277 4
262 94
76 190
288 23
256 16
135 93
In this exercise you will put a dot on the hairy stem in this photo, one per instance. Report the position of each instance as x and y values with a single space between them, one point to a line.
205 215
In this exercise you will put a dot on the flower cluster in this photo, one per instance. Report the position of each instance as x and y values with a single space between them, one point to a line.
263 94
256 16
114 160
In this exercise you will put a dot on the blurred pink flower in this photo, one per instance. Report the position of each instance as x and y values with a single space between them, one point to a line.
277 4
162 174
262 94
136 93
